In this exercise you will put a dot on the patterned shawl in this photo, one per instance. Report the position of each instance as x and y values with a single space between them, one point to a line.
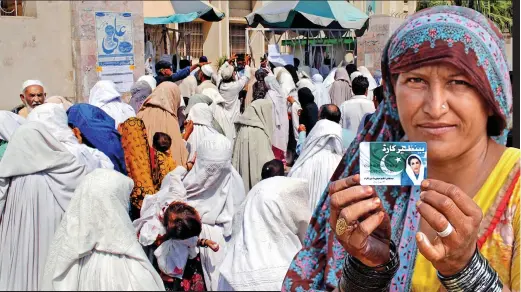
458 35
137 159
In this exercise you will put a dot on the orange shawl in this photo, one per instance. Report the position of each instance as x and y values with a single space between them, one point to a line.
135 145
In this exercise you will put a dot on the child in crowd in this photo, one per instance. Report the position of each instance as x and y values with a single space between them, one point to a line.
160 157
177 256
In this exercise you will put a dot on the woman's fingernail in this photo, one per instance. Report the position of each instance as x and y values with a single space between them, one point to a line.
425 183
419 236
422 195
368 189
376 201
418 203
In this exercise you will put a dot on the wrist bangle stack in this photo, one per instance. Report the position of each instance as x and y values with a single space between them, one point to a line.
477 276
358 277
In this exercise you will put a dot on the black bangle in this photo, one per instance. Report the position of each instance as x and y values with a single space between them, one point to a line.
477 276
359 277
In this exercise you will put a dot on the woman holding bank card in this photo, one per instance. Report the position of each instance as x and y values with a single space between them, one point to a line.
446 83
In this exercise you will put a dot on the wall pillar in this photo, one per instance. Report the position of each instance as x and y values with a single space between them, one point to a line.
84 45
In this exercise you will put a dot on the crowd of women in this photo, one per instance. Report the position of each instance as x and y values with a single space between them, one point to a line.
181 189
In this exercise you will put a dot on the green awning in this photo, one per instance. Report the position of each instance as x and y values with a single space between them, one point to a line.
320 41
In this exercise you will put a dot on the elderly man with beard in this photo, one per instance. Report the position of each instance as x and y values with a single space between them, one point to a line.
33 94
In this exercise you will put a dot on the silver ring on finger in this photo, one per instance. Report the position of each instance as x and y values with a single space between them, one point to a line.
446 232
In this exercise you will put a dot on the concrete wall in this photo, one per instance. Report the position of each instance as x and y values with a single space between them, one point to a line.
84 40
371 45
36 48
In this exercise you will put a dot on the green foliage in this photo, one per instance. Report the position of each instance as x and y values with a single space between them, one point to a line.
498 11
221 61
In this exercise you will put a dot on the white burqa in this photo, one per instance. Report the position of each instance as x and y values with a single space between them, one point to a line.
215 189
330 79
9 122
95 247
54 117
280 114
219 113
38 177
187 86
150 80
321 93
321 153
201 115
268 230
354 110
105 96
289 88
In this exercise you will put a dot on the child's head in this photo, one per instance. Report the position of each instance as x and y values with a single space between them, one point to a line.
162 142
181 221
272 168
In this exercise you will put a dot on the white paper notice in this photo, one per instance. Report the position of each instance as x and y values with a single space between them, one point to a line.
115 48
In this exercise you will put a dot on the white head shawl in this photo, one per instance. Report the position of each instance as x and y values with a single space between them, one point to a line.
105 96
9 122
187 86
267 233
320 93
330 79
304 71
54 118
365 72
314 71
306 82
323 147
214 188
150 80
219 113
202 116
355 74
34 149
285 80
280 113
102 197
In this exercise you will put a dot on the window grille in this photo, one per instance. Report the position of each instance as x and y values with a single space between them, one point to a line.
237 39
12 7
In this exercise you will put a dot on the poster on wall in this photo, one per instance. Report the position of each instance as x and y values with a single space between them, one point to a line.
115 48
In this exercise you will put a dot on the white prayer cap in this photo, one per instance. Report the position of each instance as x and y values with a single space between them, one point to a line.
226 71
355 74
207 70
28 83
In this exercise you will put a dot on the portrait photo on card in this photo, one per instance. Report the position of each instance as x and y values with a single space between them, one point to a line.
393 163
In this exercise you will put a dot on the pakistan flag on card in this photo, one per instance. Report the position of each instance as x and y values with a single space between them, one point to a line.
393 163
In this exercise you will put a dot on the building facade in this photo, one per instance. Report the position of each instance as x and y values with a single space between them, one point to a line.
55 41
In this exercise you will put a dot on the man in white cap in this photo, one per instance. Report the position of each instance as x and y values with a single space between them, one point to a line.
229 87
205 78
33 94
